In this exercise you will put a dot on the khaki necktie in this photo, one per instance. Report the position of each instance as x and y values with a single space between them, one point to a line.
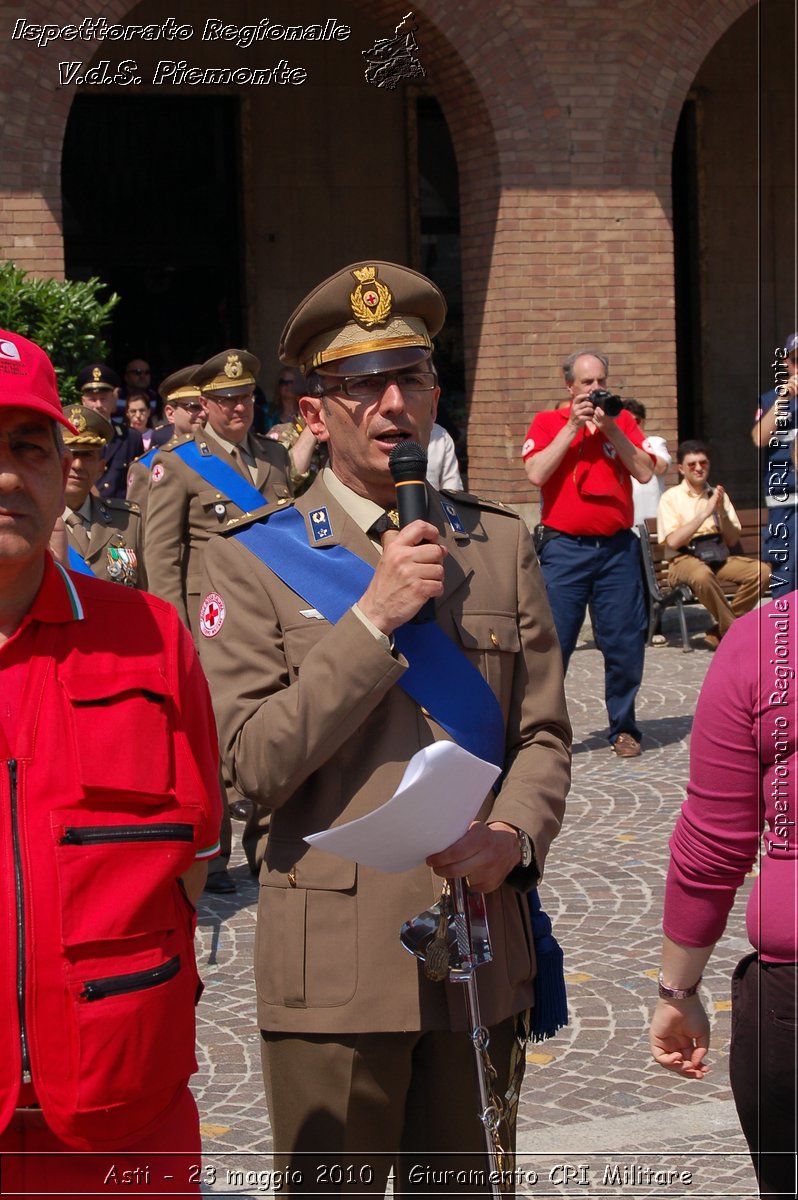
243 466
79 532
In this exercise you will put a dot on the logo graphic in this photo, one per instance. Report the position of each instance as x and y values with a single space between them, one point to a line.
157 472
392 59
212 614
9 350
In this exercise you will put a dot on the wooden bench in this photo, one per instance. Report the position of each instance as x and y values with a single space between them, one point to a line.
662 594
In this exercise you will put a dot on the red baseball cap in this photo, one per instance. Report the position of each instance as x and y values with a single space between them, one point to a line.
27 378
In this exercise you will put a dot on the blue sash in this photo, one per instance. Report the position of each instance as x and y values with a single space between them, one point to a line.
439 678
221 476
77 564
146 459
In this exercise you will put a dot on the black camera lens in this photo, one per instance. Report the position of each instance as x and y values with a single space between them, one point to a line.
601 398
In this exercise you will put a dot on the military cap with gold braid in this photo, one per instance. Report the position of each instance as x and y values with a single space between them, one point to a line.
365 309
227 374
177 388
91 427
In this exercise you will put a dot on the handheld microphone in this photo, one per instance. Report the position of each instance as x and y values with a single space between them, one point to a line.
408 465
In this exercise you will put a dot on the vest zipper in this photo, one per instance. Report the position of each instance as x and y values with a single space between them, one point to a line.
92 835
20 898
136 981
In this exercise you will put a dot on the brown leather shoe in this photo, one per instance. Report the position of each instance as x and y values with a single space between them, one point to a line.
626 746
712 638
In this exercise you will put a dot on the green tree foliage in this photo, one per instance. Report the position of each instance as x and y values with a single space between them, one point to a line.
64 318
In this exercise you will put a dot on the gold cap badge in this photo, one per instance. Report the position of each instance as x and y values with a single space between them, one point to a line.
371 300
233 368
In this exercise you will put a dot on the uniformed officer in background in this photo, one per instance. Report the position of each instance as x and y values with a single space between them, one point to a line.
198 485
98 386
184 413
105 535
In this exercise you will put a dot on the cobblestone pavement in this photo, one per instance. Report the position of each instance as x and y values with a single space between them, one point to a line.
596 1116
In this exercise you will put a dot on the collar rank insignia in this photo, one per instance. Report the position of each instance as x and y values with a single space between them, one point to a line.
452 516
320 524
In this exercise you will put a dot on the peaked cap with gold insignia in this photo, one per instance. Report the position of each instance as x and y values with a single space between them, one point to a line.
227 374
365 309
97 377
177 388
91 427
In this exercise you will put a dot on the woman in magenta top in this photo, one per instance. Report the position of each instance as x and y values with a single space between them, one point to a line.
741 805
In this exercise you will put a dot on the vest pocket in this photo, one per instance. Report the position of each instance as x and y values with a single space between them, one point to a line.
120 732
131 1022
142 858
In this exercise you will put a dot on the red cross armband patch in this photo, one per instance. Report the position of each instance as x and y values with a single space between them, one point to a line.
212 614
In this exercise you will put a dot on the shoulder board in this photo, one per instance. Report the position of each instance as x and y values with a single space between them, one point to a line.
481 502
177 440
237 523
125 505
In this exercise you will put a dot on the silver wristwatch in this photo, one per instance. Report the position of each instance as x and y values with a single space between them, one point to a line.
525 846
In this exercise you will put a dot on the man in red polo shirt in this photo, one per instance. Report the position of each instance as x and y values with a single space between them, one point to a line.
583 460
104 845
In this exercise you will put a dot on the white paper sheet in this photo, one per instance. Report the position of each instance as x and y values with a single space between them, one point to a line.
441 792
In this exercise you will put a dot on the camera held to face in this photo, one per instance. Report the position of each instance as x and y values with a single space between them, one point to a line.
611 405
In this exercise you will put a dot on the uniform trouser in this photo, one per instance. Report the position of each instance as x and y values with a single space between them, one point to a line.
346 1109
762 1065
749 574
605 573
36 1163
780 548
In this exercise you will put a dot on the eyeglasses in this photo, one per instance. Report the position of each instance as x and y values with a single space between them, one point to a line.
371 387
192 406
244 398
700 462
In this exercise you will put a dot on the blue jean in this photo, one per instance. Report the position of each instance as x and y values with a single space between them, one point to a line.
603 572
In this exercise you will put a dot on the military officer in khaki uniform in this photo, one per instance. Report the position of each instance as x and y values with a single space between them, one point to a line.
198 485
185 507
184 413
363 1055
106 535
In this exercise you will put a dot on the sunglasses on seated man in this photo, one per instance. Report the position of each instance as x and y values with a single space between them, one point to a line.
371 387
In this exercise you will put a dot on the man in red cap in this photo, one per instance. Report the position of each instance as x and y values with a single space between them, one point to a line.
104 847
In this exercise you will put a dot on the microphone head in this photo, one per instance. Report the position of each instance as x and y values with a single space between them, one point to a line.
407 461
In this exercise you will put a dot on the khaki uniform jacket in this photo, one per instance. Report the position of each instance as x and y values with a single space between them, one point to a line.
313 727
184 512
115 549
138 477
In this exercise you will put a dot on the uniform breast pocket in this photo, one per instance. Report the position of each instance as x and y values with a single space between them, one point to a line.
491 641
120 732
215 506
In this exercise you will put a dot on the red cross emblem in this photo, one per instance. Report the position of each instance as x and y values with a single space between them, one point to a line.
371 299
212 614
